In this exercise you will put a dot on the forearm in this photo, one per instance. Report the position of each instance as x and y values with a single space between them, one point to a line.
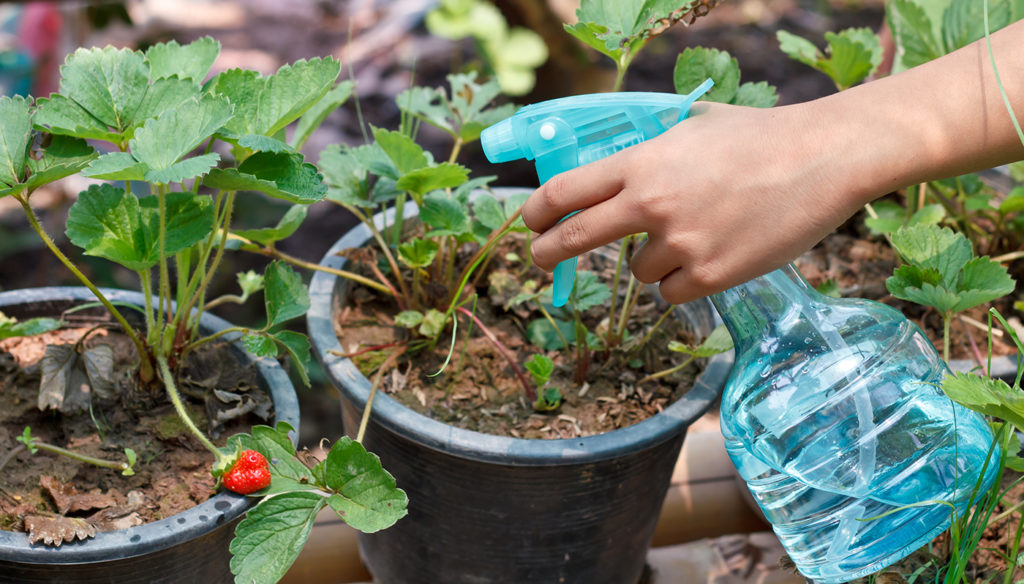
942 119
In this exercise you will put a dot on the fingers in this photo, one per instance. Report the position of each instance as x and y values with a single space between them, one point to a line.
593 227
571 191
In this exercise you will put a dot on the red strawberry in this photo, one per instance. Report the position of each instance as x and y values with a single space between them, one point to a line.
248 474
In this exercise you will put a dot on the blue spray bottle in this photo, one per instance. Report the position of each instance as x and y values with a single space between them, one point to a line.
832 412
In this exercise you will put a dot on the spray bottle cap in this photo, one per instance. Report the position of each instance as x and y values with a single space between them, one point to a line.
564 133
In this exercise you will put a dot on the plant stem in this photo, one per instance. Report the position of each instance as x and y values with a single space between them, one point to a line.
496 235
456 148
551 320
364 421
121 466
146 278
164 286
627 307
666 372
145 365
615 290
946 317
198 342
280 255
197 296
384 248
530 393
172 392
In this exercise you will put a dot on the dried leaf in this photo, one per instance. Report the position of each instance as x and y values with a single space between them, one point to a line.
68 377
57 530
68 500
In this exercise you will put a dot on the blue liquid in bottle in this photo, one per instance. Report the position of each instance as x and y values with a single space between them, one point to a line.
833 416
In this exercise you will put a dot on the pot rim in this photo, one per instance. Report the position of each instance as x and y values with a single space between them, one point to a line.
222 508
390 414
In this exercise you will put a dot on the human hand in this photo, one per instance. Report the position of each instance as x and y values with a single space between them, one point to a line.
724 196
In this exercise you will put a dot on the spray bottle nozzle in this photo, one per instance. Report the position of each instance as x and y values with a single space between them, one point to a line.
568 132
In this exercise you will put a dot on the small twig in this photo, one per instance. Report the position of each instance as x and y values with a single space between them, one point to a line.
387 364
14 452
530 393
978 357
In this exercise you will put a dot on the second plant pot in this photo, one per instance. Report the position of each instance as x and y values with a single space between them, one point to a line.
485 508
188 547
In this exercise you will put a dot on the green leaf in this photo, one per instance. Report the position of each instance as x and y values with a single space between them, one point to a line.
261 143
63 157
695 64
315 116
189 220
116 166
433 323
424 180
15 135
829 287
12 327
987 395
588 291
275 445
366 496
963 22
284 294
280 175
418 253
58 114
891 216
110 223
106 222
1014 201
542 334
109 83
345 175
269 539
928 215
983 280
250 282
409 318
403 151
614 27
759 94
284 229
457 19
938 248
163 95
297 345
941 298
191 61
514 56
852 54
183 169
265 105
913 33
465 114
260 344
162 141
445 216
489 211
798 48
540 367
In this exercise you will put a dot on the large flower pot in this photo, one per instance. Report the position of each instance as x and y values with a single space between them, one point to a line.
189 547
493 509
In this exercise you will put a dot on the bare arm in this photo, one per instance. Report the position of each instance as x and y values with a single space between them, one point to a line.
734 192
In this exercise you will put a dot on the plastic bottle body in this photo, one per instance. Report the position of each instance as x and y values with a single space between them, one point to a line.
833 415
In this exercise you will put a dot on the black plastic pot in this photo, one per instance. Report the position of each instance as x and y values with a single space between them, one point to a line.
190 547
492 509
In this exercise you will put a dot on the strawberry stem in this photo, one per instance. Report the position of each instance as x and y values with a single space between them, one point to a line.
172 392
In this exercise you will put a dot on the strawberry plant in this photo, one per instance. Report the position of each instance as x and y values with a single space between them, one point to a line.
172 151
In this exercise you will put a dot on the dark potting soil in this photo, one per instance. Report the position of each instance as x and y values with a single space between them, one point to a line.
55 497
479 390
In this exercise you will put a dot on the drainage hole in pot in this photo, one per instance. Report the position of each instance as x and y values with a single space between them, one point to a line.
203 518
136 538
222 505
181 521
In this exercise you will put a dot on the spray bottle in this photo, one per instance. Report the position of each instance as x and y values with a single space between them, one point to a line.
832 412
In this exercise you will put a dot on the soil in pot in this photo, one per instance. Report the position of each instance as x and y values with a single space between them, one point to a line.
44 493
479 390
